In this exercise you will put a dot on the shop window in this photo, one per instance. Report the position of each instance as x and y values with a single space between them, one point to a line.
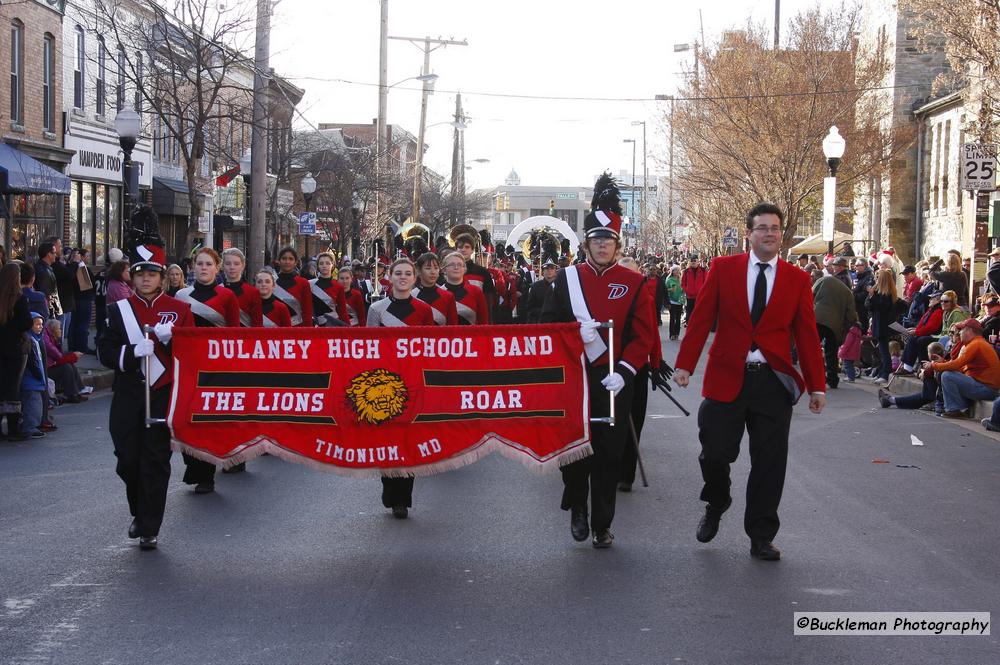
78 68
87 216
100 221
48 83
74 214
17 72
114 237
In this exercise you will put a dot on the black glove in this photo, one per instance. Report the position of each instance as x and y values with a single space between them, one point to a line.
660 376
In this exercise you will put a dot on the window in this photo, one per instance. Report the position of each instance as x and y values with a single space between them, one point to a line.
48 83
78 68
17 72
944 167
102 75
120 88
157 135
138 83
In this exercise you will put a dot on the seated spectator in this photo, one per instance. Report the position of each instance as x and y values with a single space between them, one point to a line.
929 392
927 330
973 375
61 367
990 317
953 313
895 351
34 383
913 283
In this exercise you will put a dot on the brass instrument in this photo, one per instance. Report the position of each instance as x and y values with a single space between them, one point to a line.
467 229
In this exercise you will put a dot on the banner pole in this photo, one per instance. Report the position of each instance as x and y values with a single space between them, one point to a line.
611 367
150 421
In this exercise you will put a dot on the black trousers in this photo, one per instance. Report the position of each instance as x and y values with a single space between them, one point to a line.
640 397
830 345
675 319
764 409
143 454
597 475
397 492
197 471
688 308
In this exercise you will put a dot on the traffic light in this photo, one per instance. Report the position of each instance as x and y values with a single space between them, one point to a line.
552 207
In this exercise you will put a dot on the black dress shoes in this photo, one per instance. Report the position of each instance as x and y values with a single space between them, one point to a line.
204 488
578 524
764 550
133 528
147 543
239 468
400 512
709 524
603 539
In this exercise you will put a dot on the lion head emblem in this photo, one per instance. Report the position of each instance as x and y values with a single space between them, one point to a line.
377 395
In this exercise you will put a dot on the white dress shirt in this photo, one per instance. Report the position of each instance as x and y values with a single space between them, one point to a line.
756 356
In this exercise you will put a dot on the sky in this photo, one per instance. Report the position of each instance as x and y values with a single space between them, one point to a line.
555 48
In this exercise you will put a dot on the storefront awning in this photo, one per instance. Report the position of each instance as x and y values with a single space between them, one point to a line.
21 173
170 197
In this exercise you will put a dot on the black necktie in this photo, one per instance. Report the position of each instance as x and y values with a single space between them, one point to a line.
759 298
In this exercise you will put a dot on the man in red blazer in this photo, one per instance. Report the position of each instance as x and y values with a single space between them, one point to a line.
762 305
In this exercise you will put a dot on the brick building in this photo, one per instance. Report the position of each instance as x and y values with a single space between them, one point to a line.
33 184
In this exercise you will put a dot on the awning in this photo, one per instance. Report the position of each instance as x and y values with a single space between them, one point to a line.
815 244
170 197
226 222
21 173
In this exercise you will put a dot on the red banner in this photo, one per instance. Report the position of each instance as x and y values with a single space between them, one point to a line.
381 401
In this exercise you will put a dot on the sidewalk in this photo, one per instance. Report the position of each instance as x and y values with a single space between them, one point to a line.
93 373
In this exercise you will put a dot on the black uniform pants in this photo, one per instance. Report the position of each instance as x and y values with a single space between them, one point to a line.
143 454
640 396
598 474
397 492
197 471
830 346
688 309
764 409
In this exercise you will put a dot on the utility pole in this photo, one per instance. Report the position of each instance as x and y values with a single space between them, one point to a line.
424 44
258 138
458 162
777 24
381 131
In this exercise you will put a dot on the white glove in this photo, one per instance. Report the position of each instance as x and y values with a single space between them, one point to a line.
143 348
164 332
588 331
613 382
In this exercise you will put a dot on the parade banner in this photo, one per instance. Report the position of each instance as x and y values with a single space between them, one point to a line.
381 401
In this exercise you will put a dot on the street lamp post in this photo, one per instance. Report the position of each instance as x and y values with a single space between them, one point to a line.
645 174
833 150
245 166
308 187
631 213
127 125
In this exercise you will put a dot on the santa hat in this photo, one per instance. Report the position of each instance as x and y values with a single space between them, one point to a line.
605 218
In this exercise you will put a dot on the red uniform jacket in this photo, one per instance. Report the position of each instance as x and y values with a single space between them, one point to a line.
442 303
126 319
296 293
693 281
356 308
656 352
249 300
470 303
328 299
788 317
275 313
480 277
615 293
211 305
392 312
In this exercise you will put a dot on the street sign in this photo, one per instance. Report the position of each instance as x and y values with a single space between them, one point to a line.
979 166
307 224
729 237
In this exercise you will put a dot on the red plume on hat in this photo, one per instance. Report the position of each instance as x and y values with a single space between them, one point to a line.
605 218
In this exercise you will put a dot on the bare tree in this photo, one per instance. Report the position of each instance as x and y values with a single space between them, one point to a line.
750 123
184 61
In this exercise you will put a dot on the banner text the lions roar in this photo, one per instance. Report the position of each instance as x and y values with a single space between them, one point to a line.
381 401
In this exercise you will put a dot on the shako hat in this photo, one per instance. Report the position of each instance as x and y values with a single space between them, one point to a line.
147 251
605 218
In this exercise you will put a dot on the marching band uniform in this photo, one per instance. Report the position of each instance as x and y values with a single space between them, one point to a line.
389 312
275 313
143 452
442 304
470 303
536 298
480 277
588 293
296 293
248 298
640 394
328 302
356 313
212 305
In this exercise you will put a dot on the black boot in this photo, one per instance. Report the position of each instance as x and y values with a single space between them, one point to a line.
578 524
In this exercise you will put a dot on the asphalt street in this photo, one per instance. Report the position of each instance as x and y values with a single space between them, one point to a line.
284 564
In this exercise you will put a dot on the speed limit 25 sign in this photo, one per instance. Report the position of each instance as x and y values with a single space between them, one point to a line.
979 166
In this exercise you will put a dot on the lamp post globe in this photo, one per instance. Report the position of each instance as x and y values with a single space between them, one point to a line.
833 149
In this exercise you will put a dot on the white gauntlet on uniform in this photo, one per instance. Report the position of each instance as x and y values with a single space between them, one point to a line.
588 331
143 348
164 332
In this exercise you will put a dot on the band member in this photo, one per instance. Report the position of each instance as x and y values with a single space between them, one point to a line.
640 393
329 304
234 263
475 274
143 452
275 313
599 290
294 290
469 300
212 305
354 299
750 382
537 292
361 281
440 299
399 309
